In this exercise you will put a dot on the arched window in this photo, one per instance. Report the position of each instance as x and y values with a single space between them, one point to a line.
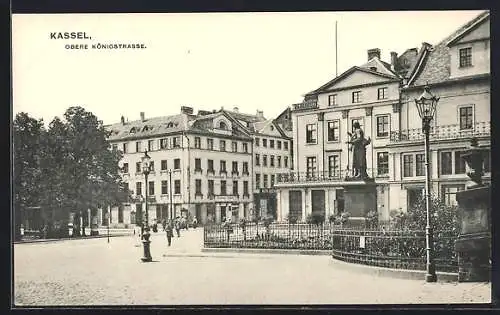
222 125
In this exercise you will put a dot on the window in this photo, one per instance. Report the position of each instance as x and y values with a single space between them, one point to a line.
257 180
487 162
222 125
446 163
382 93
197 164
264 143
222 145
272 180
176 142
257 142
125 187
210 144
125 168
120 214
235 167
235 188
383 126
245 168
137 167
311 133
197 142
285 161
356 97
223 187
334 166
164 187
222 166
210 187
449 194
138 147
125 148
265 180
407 165
177 186
271 160
465 57
151 145
245 188
264 160
114 147
163 165
163 143
197 185
152 166
466 117
138 188
333 130
278 160
359 121
382 163
332 99
311 166
210 166
285 145
177 164
271 144
245 147
234 146
151 188
278 143
459 163
420 164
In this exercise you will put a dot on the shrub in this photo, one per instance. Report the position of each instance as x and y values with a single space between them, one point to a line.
315 218
267 220
332 218
243 223
371 219
292 219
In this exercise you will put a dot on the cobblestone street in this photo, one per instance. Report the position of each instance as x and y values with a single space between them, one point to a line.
94 272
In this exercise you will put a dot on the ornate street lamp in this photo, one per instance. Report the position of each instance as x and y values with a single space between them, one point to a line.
426 106
146 168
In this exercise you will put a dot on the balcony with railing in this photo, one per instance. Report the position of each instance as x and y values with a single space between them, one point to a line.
442 132
306 105
319 176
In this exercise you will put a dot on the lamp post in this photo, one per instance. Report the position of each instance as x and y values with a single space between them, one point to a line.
171 197
146 164
426 106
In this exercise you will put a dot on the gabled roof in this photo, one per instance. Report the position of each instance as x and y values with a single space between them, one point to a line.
433 63
150 126
382 66
347 73
467 28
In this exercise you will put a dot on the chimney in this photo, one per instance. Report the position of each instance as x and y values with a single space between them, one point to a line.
123 120
203 112
236 109
374 52
187 110
260 114
394 60
142 116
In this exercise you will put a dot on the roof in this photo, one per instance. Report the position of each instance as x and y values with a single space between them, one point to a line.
154 126
434 62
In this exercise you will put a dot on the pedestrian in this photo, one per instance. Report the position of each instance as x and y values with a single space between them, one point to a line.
169 229
195 222
164 224
177 225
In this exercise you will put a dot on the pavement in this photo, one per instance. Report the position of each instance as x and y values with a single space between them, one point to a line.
95 272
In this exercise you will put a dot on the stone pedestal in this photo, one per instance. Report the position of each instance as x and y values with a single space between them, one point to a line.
359 198
474 243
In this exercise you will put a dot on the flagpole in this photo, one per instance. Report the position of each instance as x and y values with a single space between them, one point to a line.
336 51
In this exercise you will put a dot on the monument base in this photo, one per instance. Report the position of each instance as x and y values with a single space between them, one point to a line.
360 197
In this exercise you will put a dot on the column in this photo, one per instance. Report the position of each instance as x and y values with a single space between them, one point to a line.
304 196
327 204
217 213
279 214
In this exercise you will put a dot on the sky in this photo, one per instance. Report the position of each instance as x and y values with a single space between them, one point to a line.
253 61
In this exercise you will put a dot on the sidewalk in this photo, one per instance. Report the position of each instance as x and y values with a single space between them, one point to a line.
103 233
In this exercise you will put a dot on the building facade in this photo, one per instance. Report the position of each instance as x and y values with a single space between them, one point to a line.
202 165
380 97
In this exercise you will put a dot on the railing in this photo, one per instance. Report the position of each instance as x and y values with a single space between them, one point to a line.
443 132
320 176
305 105
377 246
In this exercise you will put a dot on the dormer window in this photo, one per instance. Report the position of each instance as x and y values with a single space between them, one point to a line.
133 130
373 68
146 128
222 125
170 125
465 57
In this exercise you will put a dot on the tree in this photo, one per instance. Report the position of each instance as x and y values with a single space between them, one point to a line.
28 148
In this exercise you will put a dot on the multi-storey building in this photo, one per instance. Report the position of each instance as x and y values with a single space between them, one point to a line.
202 165
380 96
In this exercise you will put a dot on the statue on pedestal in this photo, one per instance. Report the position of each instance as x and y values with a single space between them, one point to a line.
358 144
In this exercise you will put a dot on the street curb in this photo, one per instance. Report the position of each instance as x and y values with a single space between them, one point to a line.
69 239
359 268
267 251
393 273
